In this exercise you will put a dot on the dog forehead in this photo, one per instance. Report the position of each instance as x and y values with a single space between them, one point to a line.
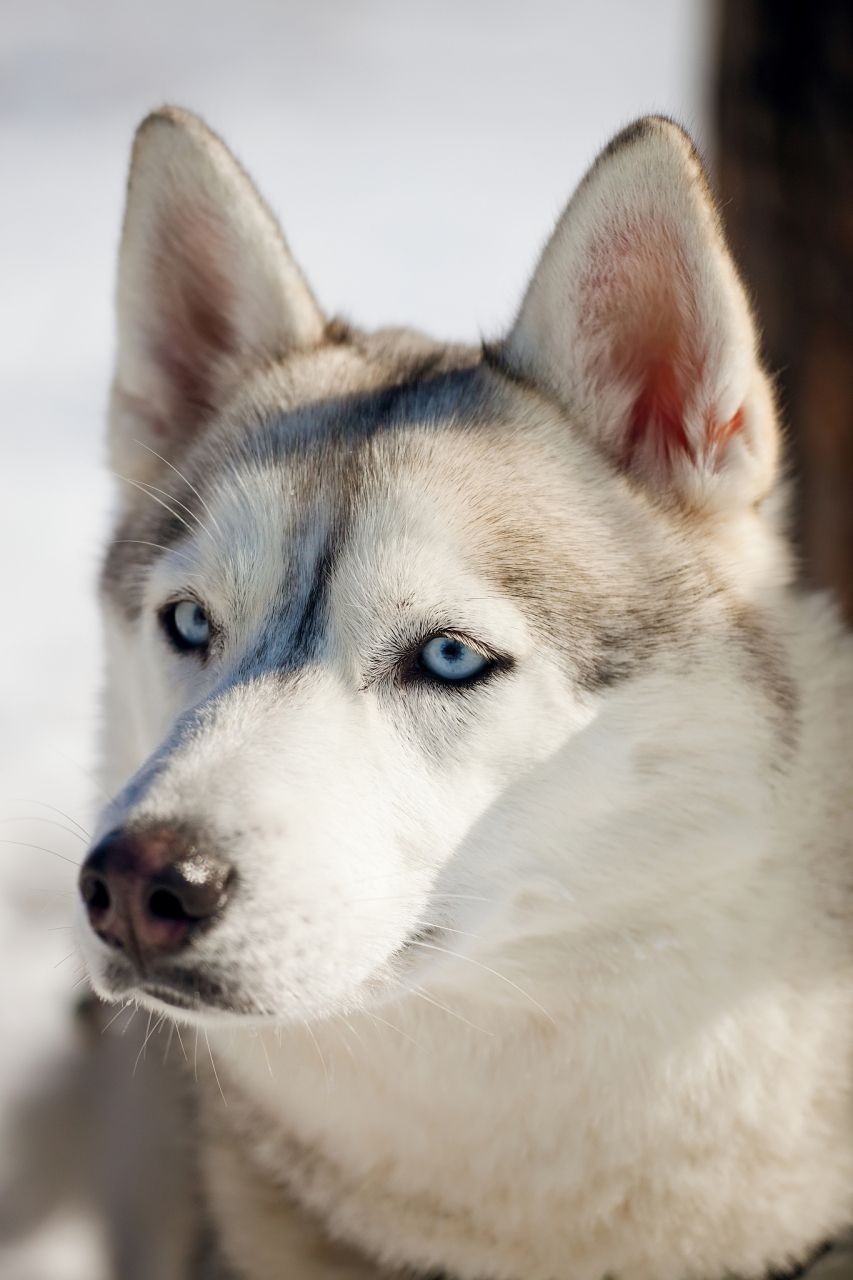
289 440
395 462
413 471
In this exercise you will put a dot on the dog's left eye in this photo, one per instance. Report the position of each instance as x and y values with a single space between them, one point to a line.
187 625
450 660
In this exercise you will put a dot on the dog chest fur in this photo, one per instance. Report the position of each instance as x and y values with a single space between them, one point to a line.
683 1117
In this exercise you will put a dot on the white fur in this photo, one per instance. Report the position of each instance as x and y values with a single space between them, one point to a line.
625 1046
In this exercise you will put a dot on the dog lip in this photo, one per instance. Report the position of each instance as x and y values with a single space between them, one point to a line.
194 992
171 995
190 990
185 991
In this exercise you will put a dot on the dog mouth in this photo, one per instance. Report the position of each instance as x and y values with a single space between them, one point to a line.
204 990
189 998
194 992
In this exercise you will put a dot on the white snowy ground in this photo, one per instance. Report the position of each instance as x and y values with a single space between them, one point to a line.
417 155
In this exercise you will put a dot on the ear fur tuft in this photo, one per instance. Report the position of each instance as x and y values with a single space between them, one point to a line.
206 289
637 322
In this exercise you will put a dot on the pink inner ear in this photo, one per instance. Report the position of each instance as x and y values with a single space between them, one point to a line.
655 434
655 427
639 305
719 434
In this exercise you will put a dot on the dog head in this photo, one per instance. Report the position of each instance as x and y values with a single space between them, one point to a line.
406 639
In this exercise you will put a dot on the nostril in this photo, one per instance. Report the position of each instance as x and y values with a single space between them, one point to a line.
164 905
148 892
95 893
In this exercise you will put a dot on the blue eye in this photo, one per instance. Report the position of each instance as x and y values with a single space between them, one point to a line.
187 625
450 660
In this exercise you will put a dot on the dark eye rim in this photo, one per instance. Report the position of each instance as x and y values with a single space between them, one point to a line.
413 671
166 618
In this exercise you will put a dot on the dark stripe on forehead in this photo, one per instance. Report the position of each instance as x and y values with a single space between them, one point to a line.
321 448
293 635
309 630
322 439
457 398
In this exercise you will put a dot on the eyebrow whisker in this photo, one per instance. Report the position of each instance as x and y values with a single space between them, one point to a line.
181 476
146 489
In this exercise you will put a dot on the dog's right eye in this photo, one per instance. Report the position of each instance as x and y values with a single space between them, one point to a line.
450 661
186 624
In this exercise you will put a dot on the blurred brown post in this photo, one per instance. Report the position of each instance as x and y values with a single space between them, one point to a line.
784 106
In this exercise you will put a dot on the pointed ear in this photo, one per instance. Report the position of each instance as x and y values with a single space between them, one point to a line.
206 289
636 321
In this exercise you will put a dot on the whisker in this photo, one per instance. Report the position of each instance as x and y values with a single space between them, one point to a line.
49 822
345 1042
467 897
176 551
24 844
349 1025
181 1042
130 1019
143 489
53 809
45 907
195 1056
382 876
181 475
169 1041
445 928
142 542
407 897
401 1032
152 489
322 1059
419 991
64 958
148 1034
86 773
266 1055
459 956
115 1015
376 1028
213 1064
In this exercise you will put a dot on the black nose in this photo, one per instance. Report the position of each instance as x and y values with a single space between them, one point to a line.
146 892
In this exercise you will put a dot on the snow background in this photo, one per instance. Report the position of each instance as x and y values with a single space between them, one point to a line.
417 156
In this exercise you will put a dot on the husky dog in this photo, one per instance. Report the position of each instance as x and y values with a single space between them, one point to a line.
484 785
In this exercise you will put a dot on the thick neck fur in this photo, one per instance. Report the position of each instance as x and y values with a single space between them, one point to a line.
634 1082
